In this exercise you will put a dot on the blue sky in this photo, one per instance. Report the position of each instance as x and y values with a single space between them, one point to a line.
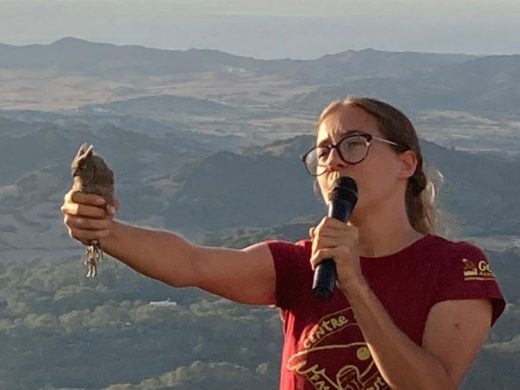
272 28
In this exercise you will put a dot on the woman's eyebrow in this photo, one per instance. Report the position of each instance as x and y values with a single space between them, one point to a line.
343 134
324 141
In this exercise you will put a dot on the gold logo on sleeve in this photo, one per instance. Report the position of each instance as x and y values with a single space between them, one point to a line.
479 271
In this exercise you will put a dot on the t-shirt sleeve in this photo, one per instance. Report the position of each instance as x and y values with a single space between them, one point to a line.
467 274
289 263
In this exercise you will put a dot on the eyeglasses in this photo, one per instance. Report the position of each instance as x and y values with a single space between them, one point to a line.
352 149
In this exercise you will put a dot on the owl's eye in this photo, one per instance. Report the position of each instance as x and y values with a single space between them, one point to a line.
82 164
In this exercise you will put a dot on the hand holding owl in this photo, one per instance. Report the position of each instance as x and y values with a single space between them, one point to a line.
89 206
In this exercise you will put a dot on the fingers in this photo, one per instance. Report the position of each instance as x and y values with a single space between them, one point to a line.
331 223
328 225
86 229
322 254
87 223
321 242
88 205
332 238
83 210
114 207
343 252
82 198
333 229
86 216
87 236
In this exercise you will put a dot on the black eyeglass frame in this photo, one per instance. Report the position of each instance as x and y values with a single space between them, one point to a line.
368 137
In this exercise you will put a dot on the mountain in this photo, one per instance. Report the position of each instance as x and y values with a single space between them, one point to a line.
35 174
217 93
488 86
367 63
163 107
79 56
173 182
479 189
27 119
125 149
72 55
15 128
185 132
228 189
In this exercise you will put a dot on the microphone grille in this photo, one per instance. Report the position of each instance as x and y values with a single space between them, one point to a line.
345 189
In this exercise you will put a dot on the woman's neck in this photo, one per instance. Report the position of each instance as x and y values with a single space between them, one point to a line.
385 234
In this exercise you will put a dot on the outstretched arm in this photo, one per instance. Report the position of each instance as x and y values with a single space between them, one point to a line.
245 276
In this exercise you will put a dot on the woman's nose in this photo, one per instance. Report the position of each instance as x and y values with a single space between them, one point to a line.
334 160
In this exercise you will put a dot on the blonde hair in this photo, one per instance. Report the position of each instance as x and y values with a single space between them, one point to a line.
395 126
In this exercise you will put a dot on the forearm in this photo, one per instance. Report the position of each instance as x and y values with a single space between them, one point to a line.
158 254
403 364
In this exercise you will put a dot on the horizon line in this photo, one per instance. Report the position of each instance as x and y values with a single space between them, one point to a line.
123 45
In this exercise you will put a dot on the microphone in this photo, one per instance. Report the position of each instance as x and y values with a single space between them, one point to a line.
343 198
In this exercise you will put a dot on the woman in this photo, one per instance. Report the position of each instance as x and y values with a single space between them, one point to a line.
411 310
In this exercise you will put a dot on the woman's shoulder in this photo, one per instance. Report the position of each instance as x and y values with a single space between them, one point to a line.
464 272
464 259
284 248
453 248
292 268
449 255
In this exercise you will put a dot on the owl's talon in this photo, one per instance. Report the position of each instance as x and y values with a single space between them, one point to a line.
92 256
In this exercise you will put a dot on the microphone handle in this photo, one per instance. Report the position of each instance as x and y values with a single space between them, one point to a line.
325 273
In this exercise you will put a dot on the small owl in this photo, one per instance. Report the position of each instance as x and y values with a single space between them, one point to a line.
92 175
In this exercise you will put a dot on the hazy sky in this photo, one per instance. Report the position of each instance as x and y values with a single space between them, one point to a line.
272 28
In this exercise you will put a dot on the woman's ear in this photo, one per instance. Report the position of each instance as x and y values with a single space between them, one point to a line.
409 163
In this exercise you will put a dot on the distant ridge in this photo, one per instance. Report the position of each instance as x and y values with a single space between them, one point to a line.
71 54
70 41
484 85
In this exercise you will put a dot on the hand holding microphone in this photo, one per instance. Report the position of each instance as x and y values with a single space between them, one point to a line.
334 239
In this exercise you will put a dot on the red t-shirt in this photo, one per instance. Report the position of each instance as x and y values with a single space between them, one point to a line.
324 347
